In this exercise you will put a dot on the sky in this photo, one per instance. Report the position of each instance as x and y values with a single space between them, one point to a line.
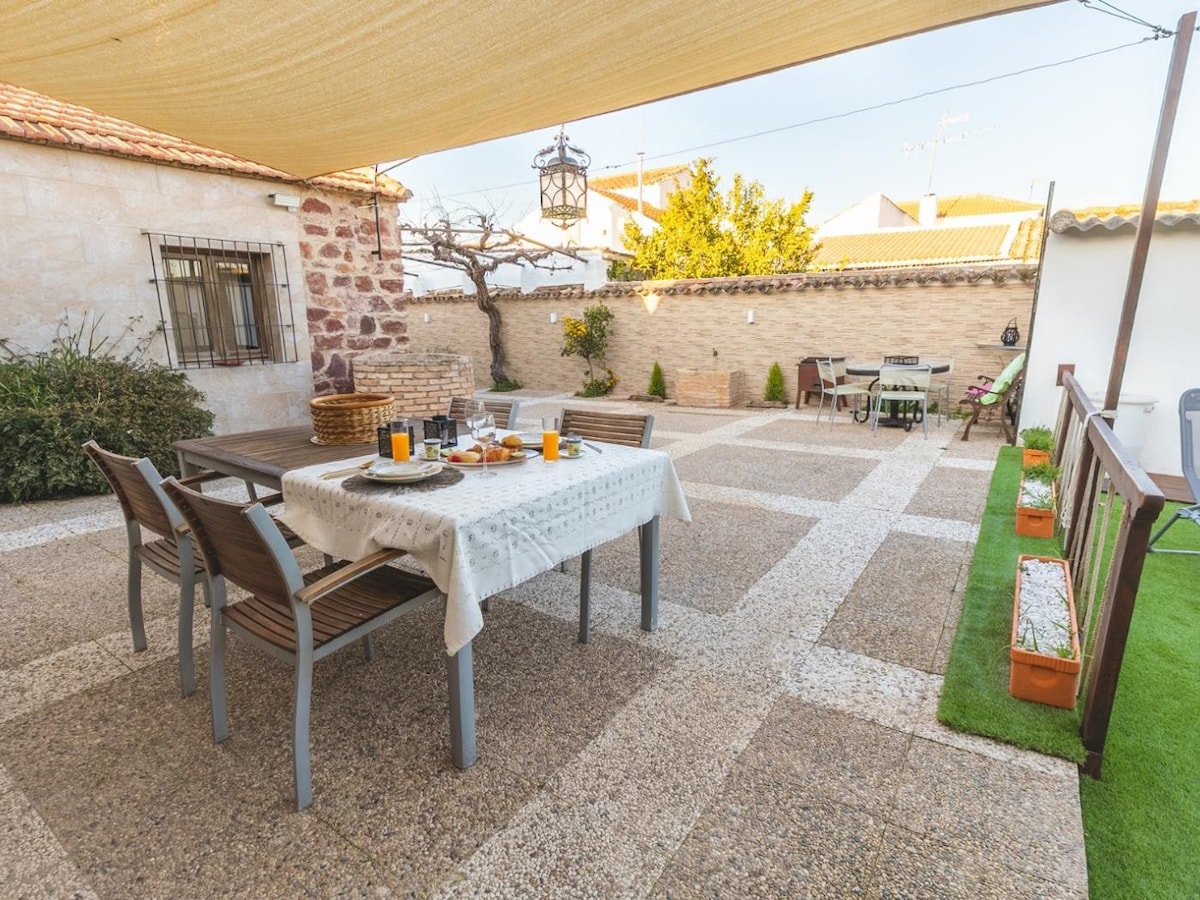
1087 125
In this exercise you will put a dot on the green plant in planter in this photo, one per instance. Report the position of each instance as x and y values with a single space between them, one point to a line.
1045 472
658 384
774 392
1038 437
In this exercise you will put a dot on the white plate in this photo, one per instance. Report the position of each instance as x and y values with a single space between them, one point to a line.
402 473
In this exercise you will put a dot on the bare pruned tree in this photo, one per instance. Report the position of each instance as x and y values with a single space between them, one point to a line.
478 249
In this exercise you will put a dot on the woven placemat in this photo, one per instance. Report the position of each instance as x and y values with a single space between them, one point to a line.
357 484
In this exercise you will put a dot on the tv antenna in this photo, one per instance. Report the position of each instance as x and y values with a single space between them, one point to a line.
940 137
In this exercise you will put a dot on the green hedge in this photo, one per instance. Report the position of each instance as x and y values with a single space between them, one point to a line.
54 401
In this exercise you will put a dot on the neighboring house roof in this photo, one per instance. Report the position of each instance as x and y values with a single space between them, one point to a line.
649 210
623 181
29 116
1168 213
971 205
931 247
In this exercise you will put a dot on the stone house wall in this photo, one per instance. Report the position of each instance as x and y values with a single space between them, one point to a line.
930 312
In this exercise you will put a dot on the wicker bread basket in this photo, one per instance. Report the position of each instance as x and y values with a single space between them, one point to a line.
349 418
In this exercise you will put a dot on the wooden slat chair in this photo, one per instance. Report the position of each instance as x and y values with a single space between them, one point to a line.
137 484
504 411
1189 446
298 617
611 428
989 399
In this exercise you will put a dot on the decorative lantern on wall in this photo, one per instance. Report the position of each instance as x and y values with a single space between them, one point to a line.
562 176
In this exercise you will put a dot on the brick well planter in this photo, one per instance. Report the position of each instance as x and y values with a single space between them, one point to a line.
702 387
422 383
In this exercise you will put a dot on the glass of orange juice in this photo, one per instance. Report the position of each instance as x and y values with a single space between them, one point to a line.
401 444
550 438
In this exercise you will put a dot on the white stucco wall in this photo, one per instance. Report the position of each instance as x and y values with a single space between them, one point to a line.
1078 310
71 239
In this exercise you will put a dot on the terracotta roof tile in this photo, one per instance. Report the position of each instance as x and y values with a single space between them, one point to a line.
626 180
1169 213
1027 244
971 205
29 116
648 209
913 247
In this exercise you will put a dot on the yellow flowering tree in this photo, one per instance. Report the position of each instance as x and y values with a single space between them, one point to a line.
588 337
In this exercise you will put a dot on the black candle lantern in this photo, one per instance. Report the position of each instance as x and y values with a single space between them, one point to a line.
1010 335
443 428
562 176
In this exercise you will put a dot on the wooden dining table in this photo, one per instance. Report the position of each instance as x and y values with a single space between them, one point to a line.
474 535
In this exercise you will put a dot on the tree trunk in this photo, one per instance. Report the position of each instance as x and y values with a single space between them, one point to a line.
483 299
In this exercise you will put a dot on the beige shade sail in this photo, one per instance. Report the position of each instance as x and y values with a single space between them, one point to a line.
310 87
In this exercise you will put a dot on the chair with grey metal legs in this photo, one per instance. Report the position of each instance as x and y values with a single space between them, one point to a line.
300 618
1189 445
171 554
629 430
939 386
835 387
902 384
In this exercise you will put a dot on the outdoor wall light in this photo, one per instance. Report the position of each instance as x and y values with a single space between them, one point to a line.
749 317
562 177
290 202
553 318
650 300
427 318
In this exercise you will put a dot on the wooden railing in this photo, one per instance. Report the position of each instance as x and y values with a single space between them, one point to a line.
1108 505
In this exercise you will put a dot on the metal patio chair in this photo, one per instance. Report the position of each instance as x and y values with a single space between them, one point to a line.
832 375
504 411
170 554
1189 445
298 617
902 384
629 430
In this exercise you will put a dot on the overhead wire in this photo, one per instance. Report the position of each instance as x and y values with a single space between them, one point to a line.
1159 32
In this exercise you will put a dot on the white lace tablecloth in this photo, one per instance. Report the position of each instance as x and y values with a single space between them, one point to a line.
484 535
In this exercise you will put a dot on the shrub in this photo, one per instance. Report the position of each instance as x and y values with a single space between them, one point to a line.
658 384
1039 437
502 387
53 401
773 392
588 337
1044 472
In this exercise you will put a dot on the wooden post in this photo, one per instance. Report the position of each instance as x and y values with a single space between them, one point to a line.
1141 243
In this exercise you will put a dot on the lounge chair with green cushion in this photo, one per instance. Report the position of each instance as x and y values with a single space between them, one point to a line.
989 398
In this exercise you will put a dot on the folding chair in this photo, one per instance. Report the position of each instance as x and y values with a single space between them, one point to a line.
1189 444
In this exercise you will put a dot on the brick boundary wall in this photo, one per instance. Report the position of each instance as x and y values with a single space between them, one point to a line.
422 383
865 315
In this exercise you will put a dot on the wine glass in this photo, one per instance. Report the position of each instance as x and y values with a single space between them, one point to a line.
483 429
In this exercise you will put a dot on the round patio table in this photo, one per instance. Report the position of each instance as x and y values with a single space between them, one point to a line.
870 368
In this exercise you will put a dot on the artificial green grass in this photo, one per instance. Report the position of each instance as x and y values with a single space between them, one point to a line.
1142 818
975 696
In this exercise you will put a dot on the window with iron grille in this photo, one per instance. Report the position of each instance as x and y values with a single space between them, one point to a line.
222 302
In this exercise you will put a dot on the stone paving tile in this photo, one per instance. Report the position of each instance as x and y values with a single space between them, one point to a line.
59 595
691 421
800 428
759 840
811 475
1028 821
35 863
898 609
950 493
914 866
709 563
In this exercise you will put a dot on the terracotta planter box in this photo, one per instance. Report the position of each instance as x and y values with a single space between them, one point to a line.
1033 457
703 387
1032 521
1044 677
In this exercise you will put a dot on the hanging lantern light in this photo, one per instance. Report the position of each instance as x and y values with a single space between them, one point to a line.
562 176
